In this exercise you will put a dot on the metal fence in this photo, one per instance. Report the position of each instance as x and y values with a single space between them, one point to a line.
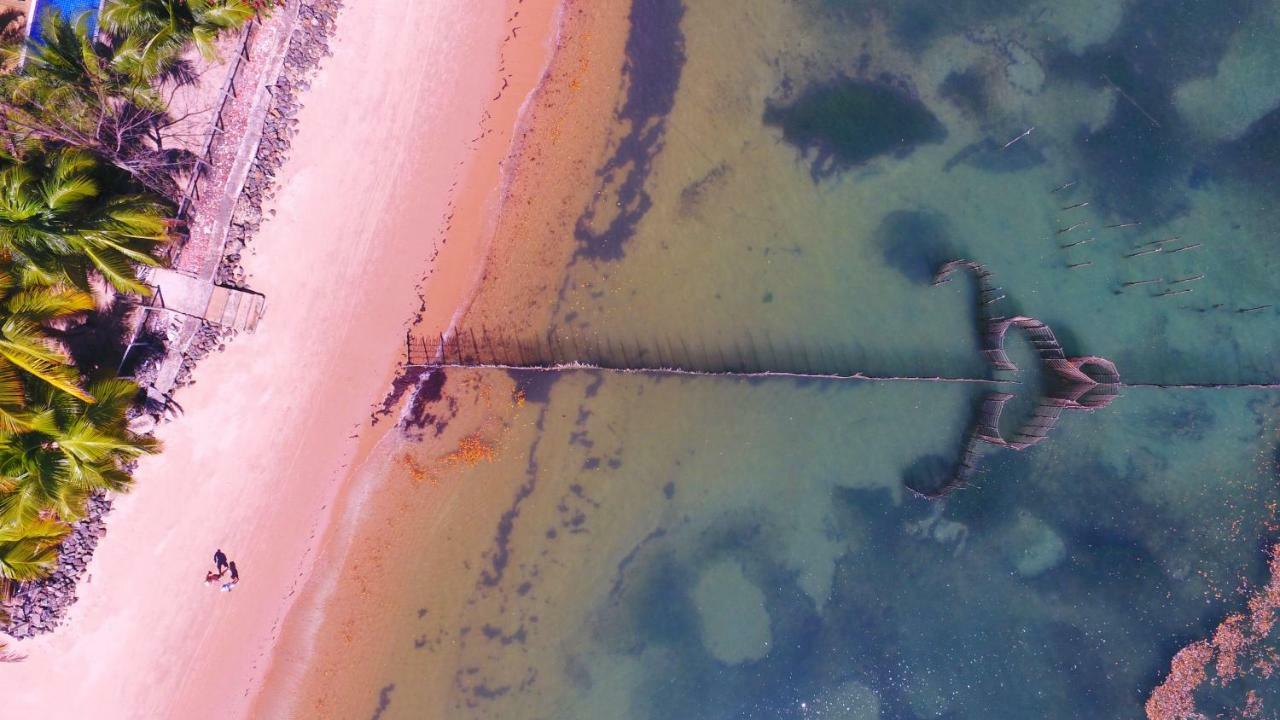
217 134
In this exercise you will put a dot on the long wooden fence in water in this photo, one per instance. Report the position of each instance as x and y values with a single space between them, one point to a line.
1084 383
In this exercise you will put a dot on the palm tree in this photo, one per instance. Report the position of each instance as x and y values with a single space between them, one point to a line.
55 216
29 551
158 30
78 91
71 449
27 307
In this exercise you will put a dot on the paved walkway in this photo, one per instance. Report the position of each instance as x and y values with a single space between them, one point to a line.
237 130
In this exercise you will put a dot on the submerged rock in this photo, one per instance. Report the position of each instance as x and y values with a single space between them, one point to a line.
846 122
735 624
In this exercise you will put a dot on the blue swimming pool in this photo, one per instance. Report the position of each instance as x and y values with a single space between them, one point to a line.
68 9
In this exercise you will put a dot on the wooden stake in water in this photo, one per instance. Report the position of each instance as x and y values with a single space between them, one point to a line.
1188 279
1073 266
1078 242
1144 252
1024 134
1253 309
1168 293
1135 283
1124 225
1065 230
1077 205
1192 246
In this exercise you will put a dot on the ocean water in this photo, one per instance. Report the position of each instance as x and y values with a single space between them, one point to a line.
789 175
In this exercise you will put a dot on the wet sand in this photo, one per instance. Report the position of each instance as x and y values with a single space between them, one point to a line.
449 473
390 157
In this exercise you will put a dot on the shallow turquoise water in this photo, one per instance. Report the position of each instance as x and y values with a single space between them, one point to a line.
723 549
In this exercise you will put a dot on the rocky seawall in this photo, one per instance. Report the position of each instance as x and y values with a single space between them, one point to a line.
308 45
41 606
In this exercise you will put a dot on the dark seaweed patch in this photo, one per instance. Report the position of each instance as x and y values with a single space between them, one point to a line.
500 554
846 122
928 474
654 62
1138 165
429 391
693 194
1141 159
384 701
967 89
535 385
1255 155
915 243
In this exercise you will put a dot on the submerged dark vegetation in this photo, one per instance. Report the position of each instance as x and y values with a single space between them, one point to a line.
88 195
846 122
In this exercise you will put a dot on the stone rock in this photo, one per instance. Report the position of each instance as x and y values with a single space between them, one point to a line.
143 424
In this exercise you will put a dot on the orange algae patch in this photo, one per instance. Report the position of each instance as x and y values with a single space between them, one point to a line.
417 472
472 450
1174 698
1234 650
1229 640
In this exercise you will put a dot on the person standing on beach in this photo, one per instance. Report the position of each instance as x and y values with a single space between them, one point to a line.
219 560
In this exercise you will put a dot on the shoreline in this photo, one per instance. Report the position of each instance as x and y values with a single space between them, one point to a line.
255 466
336 649
477 190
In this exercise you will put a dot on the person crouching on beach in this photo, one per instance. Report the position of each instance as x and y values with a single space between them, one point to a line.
235 578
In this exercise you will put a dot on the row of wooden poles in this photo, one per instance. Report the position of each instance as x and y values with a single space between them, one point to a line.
748 357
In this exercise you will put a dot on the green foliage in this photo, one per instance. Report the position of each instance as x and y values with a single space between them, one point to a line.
69 449
30 551
157 31
56 217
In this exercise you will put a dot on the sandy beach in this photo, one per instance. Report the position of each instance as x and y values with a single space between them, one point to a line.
385 205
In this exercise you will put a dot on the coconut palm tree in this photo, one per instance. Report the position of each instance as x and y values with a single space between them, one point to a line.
28 306
77 90
29 551
71 449
157 30
56 217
